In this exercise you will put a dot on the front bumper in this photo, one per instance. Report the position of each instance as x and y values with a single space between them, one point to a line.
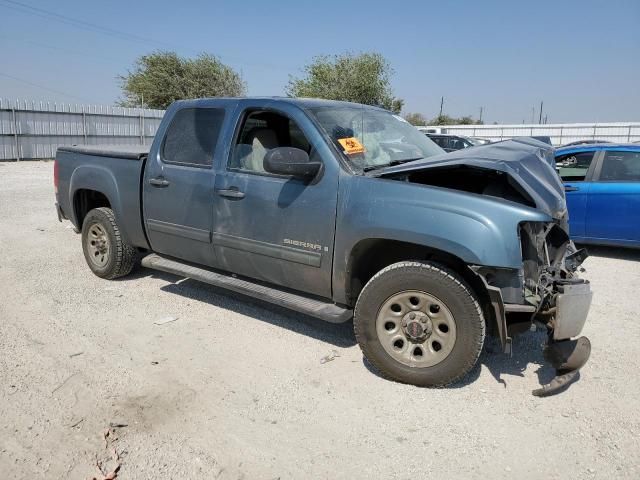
572 307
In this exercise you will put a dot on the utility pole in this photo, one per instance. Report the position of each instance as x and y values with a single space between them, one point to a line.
540 119
441 105
480 120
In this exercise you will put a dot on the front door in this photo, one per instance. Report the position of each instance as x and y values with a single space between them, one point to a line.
178 186
614 198
575 169
275 228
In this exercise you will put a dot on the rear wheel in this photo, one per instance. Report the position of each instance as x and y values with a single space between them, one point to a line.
104 250
419 323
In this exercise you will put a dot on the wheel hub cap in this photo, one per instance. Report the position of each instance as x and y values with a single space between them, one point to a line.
416 328
98 245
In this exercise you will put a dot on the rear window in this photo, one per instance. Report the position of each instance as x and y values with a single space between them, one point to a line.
192 136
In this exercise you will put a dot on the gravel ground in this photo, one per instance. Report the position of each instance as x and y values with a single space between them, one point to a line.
234 389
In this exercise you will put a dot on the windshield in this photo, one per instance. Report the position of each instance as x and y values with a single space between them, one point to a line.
373 138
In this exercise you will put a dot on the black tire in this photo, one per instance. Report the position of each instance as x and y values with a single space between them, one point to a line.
118 258
436 281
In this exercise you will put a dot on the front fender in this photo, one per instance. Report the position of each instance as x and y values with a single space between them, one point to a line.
478 230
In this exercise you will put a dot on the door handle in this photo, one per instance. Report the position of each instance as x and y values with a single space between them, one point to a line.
569 188
232 192
159 182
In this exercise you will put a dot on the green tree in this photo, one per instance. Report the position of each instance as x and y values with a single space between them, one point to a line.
362 78
443 120
415 119
447 120
163 77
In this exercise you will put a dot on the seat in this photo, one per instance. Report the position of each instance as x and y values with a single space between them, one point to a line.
261 140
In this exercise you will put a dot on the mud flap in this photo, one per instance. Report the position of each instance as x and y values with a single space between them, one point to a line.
495 295
567 357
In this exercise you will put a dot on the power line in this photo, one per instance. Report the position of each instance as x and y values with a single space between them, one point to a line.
120 34
85 53
48 14
59 92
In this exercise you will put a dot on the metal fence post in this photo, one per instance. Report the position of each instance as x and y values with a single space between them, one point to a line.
560 141
15 134
629 135
141 127
84 125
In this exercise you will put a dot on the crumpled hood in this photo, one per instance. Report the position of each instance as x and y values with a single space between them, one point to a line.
528 161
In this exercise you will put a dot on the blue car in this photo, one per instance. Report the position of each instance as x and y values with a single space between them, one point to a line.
602 185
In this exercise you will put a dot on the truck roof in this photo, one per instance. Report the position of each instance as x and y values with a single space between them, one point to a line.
301 101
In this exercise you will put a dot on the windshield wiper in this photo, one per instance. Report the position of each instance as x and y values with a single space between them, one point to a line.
390 164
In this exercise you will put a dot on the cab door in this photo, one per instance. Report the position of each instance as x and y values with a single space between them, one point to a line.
178 185
276 228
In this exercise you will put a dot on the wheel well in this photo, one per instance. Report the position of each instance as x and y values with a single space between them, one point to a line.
370 256
86 200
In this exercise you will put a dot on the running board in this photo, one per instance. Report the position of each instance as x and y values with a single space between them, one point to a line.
329 312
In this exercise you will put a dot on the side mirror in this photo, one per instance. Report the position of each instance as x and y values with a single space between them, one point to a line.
290 161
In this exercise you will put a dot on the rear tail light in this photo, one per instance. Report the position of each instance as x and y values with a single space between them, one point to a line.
55 176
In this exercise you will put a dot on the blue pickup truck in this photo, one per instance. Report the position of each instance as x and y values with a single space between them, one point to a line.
341 211
602 184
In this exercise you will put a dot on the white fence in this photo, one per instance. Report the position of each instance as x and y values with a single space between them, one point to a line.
32 130
560 133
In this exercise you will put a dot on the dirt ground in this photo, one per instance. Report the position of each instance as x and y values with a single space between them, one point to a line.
235 389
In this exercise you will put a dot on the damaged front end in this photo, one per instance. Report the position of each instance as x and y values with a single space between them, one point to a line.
539 284
561 299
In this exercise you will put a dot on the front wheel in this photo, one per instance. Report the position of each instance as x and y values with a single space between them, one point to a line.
419 323
104 250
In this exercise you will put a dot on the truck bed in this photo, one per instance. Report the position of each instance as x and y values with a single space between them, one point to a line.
82 168
128 152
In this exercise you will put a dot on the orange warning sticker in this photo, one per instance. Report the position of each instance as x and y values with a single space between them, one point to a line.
351 145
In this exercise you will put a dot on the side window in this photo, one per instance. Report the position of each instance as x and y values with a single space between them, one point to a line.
459 143
192 136
439 141
620 166
573 167
260 132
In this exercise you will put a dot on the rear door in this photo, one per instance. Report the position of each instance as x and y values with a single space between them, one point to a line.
614 199
276 228
178 185
576 170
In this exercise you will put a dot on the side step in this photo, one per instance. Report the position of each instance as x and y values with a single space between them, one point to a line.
310 306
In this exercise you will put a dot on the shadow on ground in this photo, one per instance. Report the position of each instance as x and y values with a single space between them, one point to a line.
527 350
527 347
340 335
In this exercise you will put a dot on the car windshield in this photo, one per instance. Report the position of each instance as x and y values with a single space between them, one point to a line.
372 138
